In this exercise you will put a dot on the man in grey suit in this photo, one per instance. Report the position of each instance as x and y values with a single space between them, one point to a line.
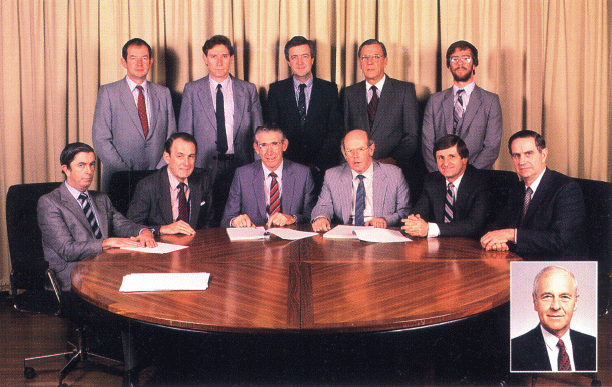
174 199
220 101
76 223
465 110
133 117
362 191
384 107
273 191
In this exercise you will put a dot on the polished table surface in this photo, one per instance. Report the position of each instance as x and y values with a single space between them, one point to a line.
311 285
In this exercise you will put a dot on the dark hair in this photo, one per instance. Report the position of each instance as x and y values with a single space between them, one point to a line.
135 42
300 41
539 140
449 141
268 128
183 136
71 150
215 41
462 45
372 41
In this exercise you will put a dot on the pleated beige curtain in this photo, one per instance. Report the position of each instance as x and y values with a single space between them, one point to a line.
549 60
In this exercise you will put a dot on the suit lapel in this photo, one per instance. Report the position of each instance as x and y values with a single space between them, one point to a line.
127 100
538 197
98 203
385 103
449 107
380 189
472 108
195 199
463 192
316 100
240 99
288 188
345 193
258 187
165 201
439 197
154 103
206 102
71 203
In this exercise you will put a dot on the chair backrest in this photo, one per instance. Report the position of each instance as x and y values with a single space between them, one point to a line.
500 183
122 187
24 237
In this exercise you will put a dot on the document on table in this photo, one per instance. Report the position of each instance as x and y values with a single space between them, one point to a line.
380 235
289 234
246 233
151 282
344 231
162 248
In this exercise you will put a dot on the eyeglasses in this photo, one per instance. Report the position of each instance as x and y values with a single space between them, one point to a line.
350 152
375 58
464 58
274 145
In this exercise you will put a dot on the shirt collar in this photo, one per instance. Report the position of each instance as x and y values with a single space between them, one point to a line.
552 340
75 192
368 173
536 182
456 182
279 170
379 84
132 85
467 89
308 82
224 84
174 182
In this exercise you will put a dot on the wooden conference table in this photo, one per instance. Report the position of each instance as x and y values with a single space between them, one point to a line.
311 285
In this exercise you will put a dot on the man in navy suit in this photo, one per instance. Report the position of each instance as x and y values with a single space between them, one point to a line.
465 110
271 192
306 109
552 345
454 199
545 213
220 101
175 198
133 117
384 107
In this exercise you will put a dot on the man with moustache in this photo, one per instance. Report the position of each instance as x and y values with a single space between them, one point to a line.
306 109
221 112
454 199
552 345
271 191
465 110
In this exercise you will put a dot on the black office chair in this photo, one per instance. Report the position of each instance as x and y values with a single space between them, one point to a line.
122 187
30 273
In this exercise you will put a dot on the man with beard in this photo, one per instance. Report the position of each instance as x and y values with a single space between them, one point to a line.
464 110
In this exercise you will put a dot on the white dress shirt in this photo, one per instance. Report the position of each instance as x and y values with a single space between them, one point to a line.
368 183
228 108
553 351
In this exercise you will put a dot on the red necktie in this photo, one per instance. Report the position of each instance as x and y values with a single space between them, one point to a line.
563 361
182 203
274 195
142 111
372 106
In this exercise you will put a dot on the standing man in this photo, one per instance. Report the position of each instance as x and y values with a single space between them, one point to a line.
464 110
221 112
454 199
175 199
552 345
384 107
545 212
133 117
306 109
363 192
271 192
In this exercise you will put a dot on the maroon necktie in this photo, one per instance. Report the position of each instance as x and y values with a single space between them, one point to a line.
563 361
183 212
142 111
372 105
274 195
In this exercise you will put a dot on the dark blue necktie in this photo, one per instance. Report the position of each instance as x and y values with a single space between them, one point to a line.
360 197
220 114
302 104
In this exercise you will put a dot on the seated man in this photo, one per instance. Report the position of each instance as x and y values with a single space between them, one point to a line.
176 198
545 213
271 191
552 345
76 223
454 200
362 191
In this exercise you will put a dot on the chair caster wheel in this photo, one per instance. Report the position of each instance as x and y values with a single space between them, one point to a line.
29 372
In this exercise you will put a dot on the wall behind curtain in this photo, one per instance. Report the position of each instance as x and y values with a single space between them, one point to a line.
549 60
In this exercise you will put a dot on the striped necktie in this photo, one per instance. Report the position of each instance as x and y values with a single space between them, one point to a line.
458 113
91 218
449 203
275 204
360 197
563 361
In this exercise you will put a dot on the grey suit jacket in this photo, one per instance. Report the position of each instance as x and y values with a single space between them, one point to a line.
66 234
394 130
481 129
117 133
247 194
151 204
198 118
391 195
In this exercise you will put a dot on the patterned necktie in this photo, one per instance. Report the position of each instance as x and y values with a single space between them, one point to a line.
563 361
528 193
360 197
458 113
183 205
220 114
449 204
275 205
302 104
142 111
91 218
372 105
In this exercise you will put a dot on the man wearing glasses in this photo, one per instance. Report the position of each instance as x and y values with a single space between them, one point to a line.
271 192
384 107
464 110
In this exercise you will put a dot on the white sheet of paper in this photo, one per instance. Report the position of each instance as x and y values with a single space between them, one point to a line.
150 282
381 235
344 231
245 233
162 248
289 234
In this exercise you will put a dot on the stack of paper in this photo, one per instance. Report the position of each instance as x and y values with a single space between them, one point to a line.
161 248
344 231
150 282
246 233
380 235
289 234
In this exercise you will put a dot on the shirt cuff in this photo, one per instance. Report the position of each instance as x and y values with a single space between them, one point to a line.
434 230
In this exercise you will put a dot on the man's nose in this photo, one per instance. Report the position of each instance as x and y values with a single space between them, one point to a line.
555 305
